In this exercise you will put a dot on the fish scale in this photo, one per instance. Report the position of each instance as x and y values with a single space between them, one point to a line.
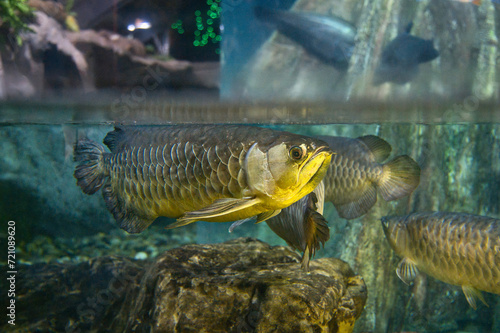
178 173
457 242
456 248
345 173
194 172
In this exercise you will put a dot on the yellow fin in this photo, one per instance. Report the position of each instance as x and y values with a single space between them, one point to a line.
219 207
267 215
400 177
471 294
407 270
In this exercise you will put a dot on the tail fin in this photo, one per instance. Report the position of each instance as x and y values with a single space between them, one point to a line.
89 172
399 178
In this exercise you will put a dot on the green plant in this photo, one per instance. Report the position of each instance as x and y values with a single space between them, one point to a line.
13 17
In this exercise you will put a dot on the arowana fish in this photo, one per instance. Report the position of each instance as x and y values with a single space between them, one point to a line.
199 172
456 248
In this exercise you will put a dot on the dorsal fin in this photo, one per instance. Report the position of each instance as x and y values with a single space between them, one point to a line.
112 138
379 147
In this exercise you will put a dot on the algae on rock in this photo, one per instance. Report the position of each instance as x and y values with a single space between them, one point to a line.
238 286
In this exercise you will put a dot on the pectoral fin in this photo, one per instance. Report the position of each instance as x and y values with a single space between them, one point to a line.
267 215
407 270
236 224
219 207
471 294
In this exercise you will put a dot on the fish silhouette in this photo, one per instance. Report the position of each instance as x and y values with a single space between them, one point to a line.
328 38
401 57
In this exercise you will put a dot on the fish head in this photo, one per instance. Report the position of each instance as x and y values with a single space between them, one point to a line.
428 52
289 169
395 233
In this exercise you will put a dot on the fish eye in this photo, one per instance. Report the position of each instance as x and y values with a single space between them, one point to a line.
296 153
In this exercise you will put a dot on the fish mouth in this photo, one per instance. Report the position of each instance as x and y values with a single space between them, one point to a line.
321 150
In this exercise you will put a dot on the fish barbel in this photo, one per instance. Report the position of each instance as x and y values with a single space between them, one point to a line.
456 248
199 172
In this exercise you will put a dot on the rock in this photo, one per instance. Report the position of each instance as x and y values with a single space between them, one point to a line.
47 31
118 44
243 285
50 8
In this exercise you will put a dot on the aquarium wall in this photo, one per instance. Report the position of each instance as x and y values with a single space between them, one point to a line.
459 173
286 65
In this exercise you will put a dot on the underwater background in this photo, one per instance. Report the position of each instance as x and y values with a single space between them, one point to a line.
447 118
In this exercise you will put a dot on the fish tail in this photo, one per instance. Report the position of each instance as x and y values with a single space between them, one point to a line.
400 177
89 172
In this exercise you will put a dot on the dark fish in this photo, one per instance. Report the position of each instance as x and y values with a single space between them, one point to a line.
302 226
357 172
209 173
351 183
330 39
401 57
456 248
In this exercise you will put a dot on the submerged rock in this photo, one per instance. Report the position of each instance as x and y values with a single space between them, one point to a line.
243 285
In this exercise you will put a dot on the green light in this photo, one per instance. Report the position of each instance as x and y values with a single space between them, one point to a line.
213 15
197 33
196 43
181 31
210 21
210 29
177 25
199 19
218 38
197 13
212 35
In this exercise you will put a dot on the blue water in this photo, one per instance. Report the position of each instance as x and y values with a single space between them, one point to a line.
242 37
